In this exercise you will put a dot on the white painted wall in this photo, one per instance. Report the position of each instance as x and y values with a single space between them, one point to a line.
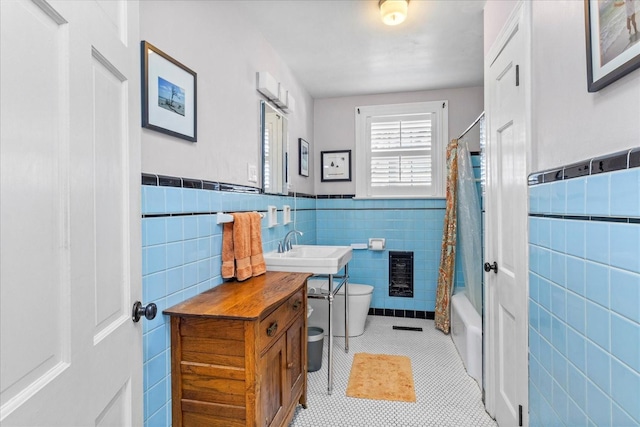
334 124
216 41
569 124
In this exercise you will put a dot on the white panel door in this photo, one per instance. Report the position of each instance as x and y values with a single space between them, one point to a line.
70 214
506 228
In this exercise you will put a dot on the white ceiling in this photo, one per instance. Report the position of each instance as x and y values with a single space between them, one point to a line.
342 48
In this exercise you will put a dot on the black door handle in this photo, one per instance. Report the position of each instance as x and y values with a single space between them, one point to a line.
488 267
149 312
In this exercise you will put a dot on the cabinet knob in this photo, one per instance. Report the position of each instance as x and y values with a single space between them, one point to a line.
297 304
271 330
289 365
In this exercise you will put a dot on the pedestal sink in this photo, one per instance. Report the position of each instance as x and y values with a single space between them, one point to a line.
316 259
324 261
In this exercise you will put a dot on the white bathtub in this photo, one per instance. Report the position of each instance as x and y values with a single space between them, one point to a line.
466 331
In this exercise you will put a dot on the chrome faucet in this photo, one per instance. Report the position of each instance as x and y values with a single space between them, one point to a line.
285 245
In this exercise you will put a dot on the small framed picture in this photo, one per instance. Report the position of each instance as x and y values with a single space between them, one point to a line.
335 165
613 40
303 157
169 94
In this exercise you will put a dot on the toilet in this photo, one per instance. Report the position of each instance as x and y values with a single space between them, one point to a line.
359 301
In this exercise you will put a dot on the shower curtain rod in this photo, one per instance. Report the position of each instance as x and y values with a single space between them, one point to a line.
475 122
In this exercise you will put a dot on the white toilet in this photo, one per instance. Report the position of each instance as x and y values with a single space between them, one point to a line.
359 301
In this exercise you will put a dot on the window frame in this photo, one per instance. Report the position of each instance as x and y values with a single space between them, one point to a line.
364 189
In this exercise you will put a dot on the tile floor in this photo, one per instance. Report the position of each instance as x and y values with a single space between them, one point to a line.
445 394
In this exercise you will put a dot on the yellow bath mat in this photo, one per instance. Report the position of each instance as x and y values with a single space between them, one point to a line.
381 377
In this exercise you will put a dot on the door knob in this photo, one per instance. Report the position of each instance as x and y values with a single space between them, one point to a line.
488 267
149 312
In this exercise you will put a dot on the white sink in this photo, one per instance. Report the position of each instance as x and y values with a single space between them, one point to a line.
316 259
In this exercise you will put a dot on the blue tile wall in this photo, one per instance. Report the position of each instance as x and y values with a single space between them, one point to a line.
181 258
584 299
407 225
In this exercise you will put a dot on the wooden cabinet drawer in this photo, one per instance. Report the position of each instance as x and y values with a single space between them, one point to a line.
272 326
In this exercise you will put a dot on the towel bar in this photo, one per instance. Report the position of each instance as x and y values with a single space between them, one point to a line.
222 217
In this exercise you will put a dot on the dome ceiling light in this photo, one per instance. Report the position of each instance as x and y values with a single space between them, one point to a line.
393 12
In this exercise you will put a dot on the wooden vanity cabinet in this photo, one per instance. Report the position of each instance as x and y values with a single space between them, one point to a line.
239 353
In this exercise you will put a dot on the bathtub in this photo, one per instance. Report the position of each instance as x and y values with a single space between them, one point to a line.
466 332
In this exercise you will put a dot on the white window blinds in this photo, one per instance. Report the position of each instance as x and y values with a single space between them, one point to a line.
401 151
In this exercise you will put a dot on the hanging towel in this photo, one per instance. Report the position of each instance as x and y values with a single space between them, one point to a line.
242 245
258 266
228 257
242 256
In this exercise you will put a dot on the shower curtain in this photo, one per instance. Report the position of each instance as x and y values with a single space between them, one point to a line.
469 227
448 253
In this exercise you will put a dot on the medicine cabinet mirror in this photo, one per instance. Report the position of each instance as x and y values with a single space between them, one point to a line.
274 150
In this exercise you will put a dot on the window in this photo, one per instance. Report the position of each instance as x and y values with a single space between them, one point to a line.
400 149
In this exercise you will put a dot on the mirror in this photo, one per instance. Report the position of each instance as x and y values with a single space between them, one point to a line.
274 150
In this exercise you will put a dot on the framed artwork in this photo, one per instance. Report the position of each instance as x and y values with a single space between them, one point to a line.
613 40
169 94
303 157
335 165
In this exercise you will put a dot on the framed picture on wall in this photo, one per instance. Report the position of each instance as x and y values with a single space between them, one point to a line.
335 165
613 40
303 157
169 94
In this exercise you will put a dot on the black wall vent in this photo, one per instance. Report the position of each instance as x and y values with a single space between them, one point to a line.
401 274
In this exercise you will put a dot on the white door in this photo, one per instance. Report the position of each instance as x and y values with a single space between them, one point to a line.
506 225
70 213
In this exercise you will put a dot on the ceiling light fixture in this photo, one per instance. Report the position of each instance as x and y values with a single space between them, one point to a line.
393 12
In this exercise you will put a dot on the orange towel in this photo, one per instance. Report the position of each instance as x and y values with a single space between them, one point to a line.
258 266
228 257
242 245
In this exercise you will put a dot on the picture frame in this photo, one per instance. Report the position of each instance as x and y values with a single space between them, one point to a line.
303 157
169 94
612 41
335 165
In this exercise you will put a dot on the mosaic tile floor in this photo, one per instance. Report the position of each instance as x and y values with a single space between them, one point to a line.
445 394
